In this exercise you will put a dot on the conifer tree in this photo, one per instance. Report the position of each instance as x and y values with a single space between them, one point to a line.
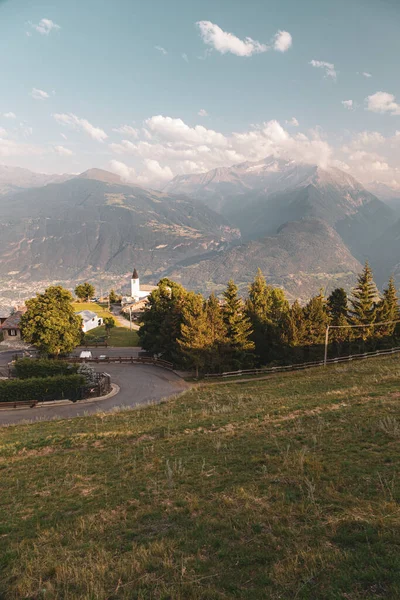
337 307
195 336
162 320
293 330
217 332
258 307
315 320
364 302
265 308
238 327
388 310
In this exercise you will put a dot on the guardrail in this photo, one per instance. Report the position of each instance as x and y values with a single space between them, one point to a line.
156 362
302 366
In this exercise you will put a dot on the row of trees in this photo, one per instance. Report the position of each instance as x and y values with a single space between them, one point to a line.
86 291
210 335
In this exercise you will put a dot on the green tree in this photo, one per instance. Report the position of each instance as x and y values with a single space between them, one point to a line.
50 323
113 298
388 310
364 302
265 308
162 320
294 326
238 328
216 354
109 323
315 320
85 291
195 338
337 307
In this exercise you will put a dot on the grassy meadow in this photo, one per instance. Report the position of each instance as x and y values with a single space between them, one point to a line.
286 488
119 337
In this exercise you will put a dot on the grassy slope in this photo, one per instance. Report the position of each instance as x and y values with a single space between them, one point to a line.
282 489
120 337
101 311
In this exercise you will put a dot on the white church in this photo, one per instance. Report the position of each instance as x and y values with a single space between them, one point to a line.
138 292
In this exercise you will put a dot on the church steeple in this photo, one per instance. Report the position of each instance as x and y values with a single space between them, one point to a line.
135 285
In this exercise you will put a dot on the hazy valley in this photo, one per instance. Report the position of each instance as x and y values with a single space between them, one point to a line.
307 228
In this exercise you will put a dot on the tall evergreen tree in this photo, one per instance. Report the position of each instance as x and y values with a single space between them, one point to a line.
258 307
265 308
337 307
162 320
316 320
195 336
364 303
217 331
388 310
293 330
238 327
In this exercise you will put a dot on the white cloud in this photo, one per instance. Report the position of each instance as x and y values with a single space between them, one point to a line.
81 125
293 121
45 26
152 174
349 104
161 49
185 57
179 148
175 130
203 113
39 94
329 68
368 75
224 42
382 102
380 166
126 173
10 115
127 130
63 151
282 41
3 132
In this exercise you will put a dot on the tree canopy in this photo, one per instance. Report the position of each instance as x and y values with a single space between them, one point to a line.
50 323
85 291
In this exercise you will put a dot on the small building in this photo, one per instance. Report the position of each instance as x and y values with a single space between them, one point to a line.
90 320
11 328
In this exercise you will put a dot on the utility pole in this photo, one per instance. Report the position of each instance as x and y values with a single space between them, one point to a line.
326 346
130 318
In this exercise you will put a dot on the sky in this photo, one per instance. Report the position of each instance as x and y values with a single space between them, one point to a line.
161 88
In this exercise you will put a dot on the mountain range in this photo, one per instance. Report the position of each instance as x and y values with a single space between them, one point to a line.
306 227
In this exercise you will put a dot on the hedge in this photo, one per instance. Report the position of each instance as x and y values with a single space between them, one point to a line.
26 368
43 389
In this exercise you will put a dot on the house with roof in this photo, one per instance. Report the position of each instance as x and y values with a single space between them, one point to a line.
90 320
11 329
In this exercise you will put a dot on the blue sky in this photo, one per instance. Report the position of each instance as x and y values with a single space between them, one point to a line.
120 85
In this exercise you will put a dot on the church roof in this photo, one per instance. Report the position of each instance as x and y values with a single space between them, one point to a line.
135 274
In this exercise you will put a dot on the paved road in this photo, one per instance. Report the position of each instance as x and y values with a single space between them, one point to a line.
139 384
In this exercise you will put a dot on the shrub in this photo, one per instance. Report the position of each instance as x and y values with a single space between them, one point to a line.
43 389
88 373
26 368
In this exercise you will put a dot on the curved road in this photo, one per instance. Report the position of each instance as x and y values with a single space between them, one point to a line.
139 384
